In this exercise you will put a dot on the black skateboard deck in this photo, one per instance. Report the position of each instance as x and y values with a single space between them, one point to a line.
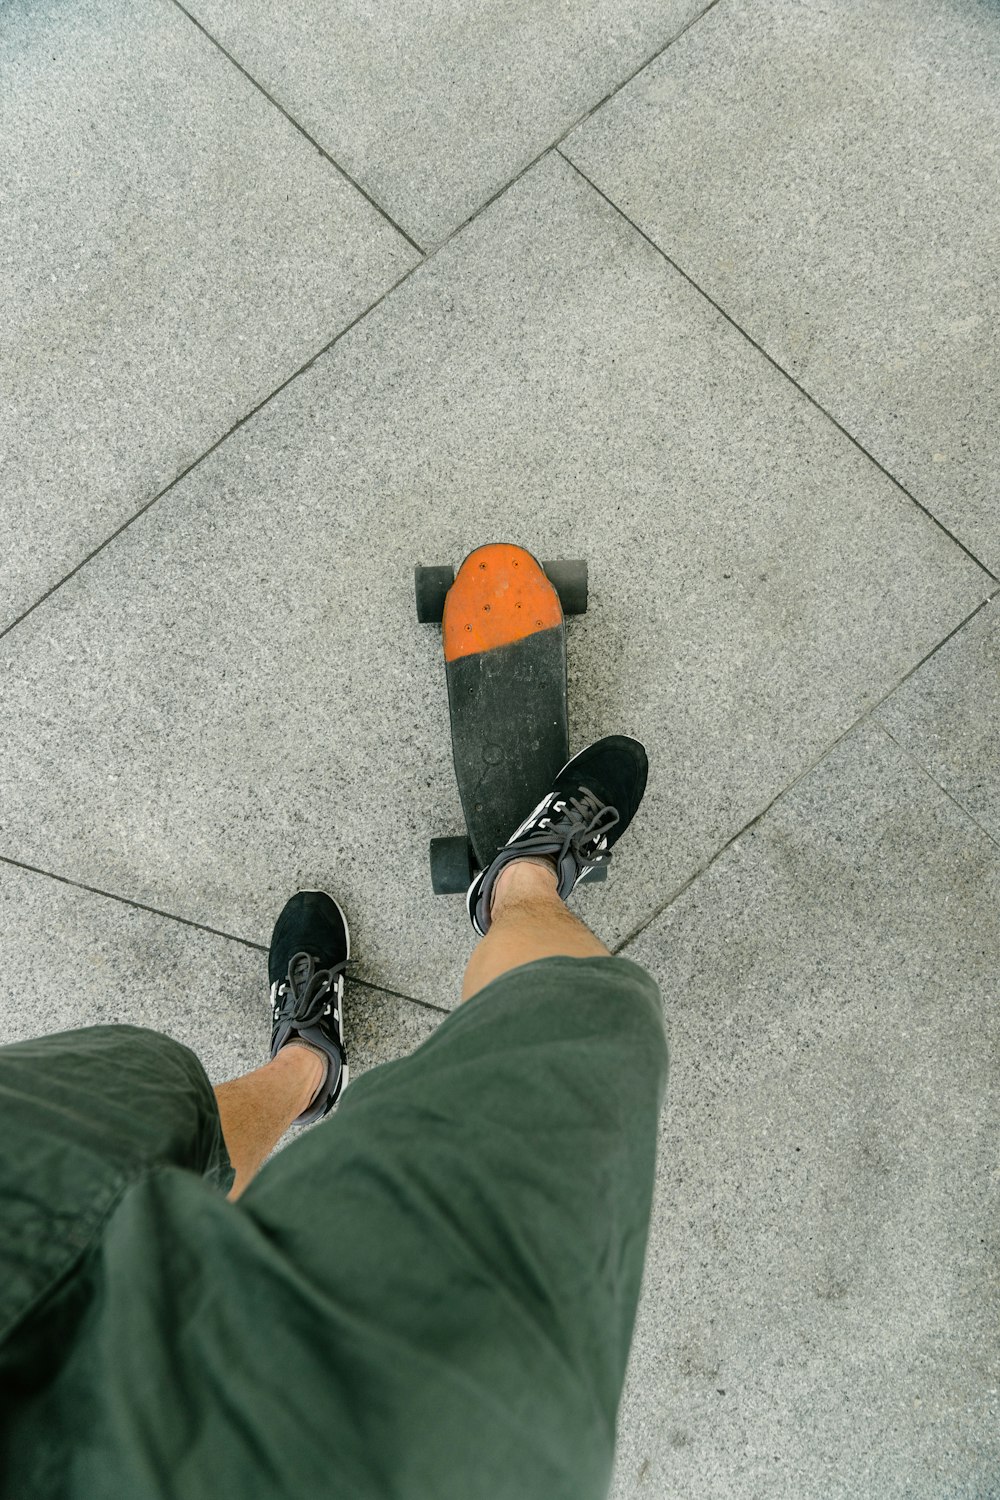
505 661
504 637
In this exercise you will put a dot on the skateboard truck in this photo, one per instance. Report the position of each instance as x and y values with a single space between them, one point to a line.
504 638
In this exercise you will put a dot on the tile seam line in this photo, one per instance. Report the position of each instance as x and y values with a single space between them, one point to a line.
207 452
300 128
575 123
869 713
231 937
926 771
646 63
782 371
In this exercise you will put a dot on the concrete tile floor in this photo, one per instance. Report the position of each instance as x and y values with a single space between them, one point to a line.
827 174
821 1314
789 506
171 249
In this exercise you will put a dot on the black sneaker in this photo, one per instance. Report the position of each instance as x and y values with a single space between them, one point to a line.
310 947
593 800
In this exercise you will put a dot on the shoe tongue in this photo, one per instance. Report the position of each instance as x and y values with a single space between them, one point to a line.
301 968
589 801
595 817
582 805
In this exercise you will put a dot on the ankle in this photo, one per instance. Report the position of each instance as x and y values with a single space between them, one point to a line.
524 880
309 1063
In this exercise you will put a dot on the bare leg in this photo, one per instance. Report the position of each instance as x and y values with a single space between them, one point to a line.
258 1108
528 921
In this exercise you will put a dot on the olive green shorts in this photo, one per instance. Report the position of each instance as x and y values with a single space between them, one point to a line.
429 1295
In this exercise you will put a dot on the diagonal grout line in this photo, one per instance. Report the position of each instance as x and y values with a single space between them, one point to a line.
231 937
592 110
781 370
96 890
300 128
207 452
965 811
868 713
557 140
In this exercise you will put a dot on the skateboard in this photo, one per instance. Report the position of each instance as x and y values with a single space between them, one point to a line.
504 637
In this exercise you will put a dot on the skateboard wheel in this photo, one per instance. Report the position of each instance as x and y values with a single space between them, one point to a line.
570 579
432 584
451 866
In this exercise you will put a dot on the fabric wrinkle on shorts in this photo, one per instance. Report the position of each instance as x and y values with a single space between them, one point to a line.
431 1293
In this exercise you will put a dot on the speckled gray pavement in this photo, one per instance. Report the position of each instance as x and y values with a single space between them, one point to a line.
297 297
